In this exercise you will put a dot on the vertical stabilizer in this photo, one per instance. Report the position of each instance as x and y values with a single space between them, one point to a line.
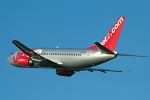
110 40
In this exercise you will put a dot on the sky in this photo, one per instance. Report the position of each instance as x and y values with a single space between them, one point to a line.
75 24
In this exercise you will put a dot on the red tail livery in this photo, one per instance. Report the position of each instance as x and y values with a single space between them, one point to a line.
110 40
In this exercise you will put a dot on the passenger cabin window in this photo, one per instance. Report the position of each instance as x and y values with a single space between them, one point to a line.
59 54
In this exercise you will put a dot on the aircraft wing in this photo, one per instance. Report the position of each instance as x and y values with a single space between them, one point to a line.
97 69
39 60
25 49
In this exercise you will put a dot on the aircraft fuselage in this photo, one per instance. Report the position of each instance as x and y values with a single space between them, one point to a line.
67 58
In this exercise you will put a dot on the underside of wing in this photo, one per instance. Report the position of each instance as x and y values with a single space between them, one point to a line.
97 69
70 72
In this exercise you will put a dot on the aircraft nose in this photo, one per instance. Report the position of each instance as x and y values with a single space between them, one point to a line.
10 59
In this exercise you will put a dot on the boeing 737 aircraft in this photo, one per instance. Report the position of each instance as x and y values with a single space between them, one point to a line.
68 61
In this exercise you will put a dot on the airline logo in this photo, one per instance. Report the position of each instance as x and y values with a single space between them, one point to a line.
112 31
117 25
21 54
18 56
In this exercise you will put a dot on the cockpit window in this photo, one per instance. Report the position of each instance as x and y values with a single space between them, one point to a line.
11 53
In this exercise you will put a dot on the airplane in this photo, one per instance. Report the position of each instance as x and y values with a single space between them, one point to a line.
68 61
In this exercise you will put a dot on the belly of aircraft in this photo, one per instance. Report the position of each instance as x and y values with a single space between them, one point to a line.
83 62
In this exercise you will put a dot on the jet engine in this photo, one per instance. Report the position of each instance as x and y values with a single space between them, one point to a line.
62 72
26 61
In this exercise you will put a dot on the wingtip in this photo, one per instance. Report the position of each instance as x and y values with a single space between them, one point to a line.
129 70
15 40
95 42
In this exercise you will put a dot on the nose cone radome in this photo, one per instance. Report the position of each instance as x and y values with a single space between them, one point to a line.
10 59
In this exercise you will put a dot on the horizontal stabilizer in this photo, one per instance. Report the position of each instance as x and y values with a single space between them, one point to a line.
131 55
103 49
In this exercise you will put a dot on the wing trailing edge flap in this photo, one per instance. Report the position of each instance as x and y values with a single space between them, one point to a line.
103 49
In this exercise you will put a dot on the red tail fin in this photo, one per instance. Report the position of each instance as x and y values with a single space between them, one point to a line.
110 40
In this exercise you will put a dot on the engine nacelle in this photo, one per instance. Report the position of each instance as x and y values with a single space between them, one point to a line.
26 61
62 72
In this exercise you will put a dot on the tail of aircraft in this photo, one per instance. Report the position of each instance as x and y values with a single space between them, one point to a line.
110 40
